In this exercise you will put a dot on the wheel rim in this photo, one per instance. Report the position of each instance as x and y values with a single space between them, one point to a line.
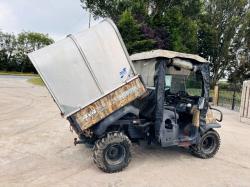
115 154
208 144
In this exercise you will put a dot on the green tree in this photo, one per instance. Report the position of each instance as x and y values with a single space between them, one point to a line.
171 24
220 26
133 37
28 42
216 29
8 46
181 20
13 50
240 54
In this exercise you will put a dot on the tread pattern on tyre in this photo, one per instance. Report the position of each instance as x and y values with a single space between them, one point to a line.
196 151
101 144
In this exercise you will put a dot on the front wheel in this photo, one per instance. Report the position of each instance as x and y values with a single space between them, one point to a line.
112 153
208 145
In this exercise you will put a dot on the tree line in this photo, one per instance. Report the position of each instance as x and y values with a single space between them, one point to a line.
218 30
14 50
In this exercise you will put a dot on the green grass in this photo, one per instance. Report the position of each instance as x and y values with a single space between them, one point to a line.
16 73
36 81
229 94
194 91
197 92
222 93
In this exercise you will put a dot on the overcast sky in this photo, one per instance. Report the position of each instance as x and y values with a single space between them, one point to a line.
57 18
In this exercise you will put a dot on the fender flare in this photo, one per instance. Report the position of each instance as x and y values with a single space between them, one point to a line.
209 126
100 128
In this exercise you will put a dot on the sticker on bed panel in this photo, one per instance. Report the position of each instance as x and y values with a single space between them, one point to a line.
123 73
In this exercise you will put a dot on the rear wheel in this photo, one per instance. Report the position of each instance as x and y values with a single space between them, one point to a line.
112 153
208 145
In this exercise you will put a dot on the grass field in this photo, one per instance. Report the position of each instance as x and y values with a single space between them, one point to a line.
225 96
228 95
36 81
16 73
222 93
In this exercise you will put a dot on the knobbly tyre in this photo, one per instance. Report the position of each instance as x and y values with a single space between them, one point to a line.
109 105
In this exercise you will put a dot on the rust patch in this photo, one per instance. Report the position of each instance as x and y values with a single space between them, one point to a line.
106 105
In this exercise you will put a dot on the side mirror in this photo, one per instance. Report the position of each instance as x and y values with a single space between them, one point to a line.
201 103
210 99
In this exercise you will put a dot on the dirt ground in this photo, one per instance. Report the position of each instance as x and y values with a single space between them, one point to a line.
36 149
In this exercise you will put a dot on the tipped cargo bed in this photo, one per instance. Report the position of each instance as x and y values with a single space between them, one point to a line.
87 73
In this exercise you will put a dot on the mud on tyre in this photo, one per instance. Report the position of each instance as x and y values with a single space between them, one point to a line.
208 145
112 153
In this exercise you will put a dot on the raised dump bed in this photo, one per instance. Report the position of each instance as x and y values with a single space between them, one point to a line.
89 74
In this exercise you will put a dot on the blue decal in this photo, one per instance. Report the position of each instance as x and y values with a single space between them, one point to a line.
123 72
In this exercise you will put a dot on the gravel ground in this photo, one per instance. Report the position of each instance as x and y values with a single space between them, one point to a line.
37 150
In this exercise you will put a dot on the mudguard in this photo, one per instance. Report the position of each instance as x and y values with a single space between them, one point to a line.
207 127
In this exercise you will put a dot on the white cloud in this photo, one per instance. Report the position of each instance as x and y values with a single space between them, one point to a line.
8 21
58 18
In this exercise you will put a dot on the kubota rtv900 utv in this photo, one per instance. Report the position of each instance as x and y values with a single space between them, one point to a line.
161 97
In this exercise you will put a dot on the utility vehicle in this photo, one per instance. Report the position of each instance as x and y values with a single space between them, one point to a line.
161 96
175 111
